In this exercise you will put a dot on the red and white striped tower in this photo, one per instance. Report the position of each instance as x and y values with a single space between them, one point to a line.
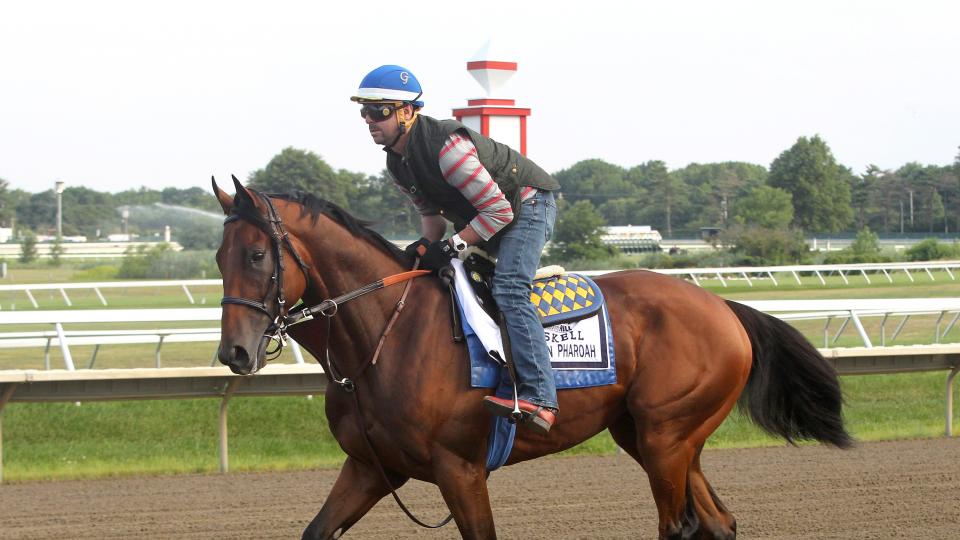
493 115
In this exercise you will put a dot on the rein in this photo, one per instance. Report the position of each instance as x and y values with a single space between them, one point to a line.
277 331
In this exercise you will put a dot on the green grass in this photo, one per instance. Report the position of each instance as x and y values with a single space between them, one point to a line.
64 440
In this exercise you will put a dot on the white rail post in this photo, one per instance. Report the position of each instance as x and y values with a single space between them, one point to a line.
187 291
865 276
157 353
224 447
32 299
950 378
775 284
4 398
66 298
297 353
100 296
860 329
64 348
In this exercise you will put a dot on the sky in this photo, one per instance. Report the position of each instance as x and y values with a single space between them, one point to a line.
114 95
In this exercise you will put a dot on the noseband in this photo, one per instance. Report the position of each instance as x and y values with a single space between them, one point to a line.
273 228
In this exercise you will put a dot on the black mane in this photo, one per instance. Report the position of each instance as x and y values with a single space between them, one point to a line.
314 206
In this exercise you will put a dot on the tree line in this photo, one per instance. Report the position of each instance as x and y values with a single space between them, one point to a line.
803 191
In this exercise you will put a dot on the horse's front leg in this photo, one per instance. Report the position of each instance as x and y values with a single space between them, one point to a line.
356 490
463 485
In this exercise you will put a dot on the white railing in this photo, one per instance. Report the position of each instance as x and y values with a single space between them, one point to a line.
845 271
183 284
57 335
723 274
946 311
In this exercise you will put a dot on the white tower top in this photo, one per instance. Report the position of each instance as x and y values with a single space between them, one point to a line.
491 69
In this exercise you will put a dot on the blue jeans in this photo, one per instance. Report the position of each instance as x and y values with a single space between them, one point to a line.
518 256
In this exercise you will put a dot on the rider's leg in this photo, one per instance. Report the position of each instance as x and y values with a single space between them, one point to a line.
517 261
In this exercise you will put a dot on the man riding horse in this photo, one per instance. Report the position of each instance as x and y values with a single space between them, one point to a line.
496 199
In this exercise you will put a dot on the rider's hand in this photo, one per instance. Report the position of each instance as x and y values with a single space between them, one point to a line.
437 256
414 249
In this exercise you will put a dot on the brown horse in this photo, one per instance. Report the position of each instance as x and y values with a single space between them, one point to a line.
684 358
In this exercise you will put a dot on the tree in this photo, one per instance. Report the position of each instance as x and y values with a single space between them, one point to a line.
56 252
595 180
819 185
7 203
578 234
28 248
766 207
667 193
301 170
716 187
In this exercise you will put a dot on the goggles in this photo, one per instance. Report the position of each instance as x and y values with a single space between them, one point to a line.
379 112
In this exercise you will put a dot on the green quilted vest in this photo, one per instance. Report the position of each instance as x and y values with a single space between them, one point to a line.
419 171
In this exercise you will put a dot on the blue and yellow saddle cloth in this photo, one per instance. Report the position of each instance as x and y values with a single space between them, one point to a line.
578 335
565 298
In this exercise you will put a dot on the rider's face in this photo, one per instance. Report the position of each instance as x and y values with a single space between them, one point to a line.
384 131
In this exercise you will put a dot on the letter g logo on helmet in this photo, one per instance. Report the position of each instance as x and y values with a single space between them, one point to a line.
390 83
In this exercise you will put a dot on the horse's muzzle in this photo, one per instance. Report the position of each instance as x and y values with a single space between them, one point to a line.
236 358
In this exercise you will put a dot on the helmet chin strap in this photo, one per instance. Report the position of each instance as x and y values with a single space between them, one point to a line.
402 124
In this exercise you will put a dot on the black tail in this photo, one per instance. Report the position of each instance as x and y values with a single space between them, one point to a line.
792 391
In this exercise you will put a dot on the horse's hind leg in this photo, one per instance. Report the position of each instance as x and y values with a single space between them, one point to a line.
716 522
666 467
688 508
356 490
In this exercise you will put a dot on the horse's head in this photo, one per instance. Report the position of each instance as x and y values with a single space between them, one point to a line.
263 275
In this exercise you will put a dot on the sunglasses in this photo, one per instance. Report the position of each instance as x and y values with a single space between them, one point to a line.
379 112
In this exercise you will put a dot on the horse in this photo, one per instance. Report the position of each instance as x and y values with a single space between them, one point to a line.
684 358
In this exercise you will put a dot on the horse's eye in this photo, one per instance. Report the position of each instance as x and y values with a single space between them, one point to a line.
257 256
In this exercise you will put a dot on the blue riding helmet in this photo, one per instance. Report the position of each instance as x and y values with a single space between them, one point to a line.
390 83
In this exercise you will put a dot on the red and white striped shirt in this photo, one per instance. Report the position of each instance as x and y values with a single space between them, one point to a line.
462 169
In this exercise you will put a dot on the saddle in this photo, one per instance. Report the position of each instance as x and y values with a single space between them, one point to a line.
557 296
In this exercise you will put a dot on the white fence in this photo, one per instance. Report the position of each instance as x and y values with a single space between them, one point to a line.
748 274
58 336
197 325
183 284
862 272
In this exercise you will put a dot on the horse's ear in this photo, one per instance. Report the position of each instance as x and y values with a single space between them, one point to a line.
242 192
226 202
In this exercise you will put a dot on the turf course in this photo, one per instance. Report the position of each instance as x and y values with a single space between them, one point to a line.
65 440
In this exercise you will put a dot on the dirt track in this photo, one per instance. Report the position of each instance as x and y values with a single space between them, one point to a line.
907 489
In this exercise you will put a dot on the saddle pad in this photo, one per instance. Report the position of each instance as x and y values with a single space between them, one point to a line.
582 355
565 298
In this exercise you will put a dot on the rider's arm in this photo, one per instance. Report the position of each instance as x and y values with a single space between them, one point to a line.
433 226
463 170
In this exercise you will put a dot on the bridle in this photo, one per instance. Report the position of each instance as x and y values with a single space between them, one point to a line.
277 330
273 228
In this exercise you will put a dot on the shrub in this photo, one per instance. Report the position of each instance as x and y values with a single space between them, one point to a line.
28 248
930 250
758 246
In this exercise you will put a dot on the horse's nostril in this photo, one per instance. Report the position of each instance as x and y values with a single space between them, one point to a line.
240 356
